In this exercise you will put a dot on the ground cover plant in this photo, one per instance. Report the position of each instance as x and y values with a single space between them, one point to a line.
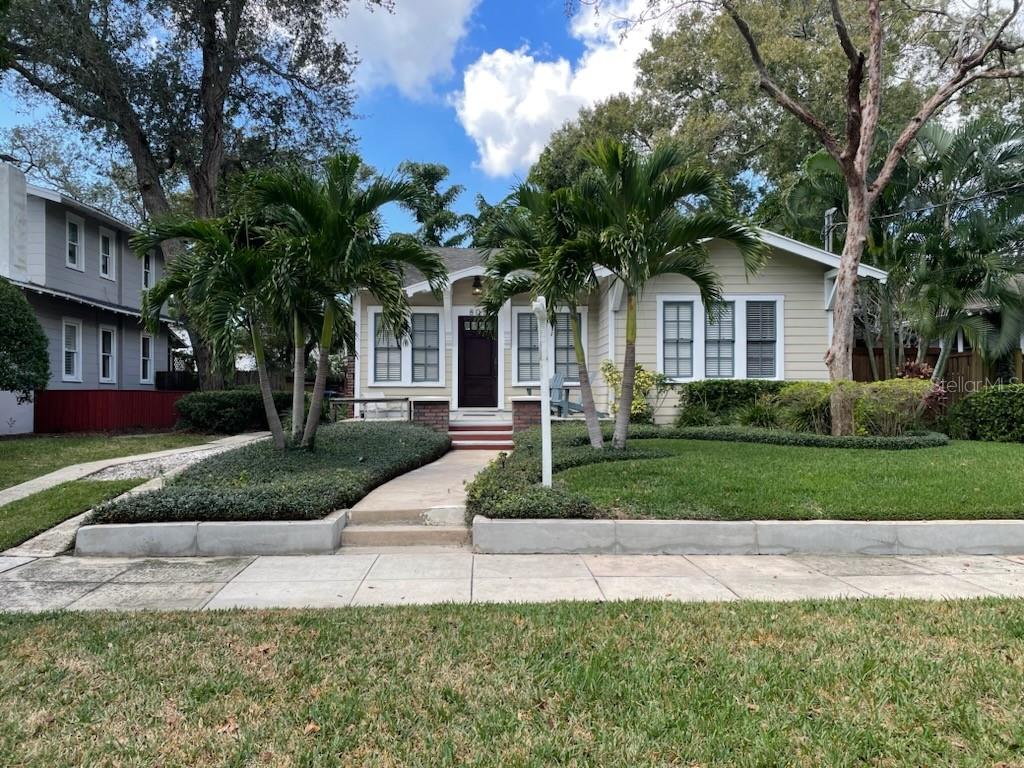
895 683
22 519
737 481
22 458
258 482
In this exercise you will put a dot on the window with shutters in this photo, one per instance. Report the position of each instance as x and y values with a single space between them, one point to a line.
762 339
677 343
565 347
426 347
527 347
720 342
387 352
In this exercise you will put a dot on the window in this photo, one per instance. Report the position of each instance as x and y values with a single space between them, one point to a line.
720 342
72 344
426 347
108 355
677 344
387 353
74 256
146 360
761 339
107 260
565 348
528 347
147 270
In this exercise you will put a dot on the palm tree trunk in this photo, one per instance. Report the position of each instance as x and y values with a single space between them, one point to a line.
872 362
628 375
273 420
940 363
323 365
586 391
298 378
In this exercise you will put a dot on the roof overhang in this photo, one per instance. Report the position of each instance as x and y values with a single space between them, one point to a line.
78 205
830 260
424 287
117 309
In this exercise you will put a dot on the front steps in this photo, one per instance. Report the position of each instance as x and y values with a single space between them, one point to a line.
481 436
439 526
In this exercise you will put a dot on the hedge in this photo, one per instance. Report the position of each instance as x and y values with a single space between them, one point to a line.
994 414
227 411
735 434
256 482
722 397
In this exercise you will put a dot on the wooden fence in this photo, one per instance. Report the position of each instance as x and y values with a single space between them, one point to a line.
104 410
965 372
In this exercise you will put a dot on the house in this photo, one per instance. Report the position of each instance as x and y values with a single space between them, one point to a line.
776 325
84 283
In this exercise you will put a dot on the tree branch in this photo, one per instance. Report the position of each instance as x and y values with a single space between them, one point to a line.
769 85
873 103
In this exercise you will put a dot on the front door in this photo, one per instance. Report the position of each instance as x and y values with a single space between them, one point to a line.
478 364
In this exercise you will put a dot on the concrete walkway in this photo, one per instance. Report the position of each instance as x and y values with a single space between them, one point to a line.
78 471
438 484
410 576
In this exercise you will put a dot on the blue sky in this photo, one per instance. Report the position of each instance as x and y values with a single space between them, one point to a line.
478 85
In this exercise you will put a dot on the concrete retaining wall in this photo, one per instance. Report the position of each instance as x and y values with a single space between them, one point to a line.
275 537
768 537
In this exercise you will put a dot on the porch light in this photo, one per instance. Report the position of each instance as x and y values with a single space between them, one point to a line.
478 287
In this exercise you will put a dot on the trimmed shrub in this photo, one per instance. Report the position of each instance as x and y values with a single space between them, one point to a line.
724 397
256 482
804 407
994 414
892 407
809 440
228 411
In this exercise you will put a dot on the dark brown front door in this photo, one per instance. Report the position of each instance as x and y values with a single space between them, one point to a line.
478 364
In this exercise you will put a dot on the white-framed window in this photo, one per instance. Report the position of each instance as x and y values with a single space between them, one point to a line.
147 270
561 347
146 359
426 347
74 251
108 254
677 339
71 346
720 342
108 354
415 361
742 339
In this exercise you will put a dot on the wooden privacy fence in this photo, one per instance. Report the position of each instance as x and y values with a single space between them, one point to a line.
104 410
965 371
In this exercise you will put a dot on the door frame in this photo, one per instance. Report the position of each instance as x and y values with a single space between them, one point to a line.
503 325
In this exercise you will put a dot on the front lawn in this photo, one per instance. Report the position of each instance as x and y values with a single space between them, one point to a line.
22 519
740 481
892 683
22 458
256 482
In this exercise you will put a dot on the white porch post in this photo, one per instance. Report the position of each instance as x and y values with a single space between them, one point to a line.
540 310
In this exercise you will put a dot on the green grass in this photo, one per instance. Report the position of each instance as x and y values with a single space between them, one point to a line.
623 684
22 458
738 481
21 520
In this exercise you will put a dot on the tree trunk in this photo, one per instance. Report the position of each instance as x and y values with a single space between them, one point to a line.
628 376
298 378
940 364
586 391
273 420
323 365
872 362
839 357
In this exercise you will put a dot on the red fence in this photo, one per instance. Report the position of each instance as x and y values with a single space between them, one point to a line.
104 410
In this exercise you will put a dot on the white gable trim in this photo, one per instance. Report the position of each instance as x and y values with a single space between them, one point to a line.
831 260
424 286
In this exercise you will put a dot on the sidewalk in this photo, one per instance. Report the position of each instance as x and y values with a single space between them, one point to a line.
438 484
414 576
78 471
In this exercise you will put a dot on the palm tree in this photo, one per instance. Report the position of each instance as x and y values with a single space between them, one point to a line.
332 222
223 277
533 258
655 215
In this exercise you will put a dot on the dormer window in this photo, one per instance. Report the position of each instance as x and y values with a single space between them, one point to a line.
74 255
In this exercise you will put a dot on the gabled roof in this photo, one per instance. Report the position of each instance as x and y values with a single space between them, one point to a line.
78 205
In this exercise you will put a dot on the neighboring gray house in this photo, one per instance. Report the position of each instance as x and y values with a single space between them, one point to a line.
85 284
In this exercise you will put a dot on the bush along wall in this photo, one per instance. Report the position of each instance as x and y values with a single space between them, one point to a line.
995 413
228 411
256 482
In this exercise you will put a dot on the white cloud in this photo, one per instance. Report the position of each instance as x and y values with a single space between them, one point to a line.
511 101
409 48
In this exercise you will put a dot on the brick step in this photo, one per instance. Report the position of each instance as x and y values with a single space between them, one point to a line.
500 436
403 535
495 427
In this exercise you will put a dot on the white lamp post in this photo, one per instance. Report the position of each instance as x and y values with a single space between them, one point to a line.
540 309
